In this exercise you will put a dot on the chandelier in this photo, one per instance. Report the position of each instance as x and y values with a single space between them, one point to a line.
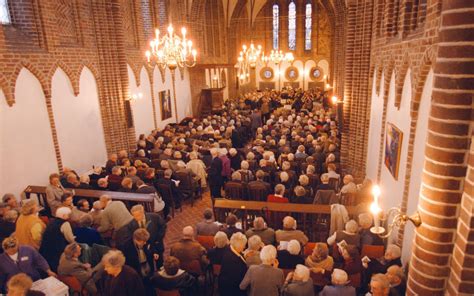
249 58
277 56
171 50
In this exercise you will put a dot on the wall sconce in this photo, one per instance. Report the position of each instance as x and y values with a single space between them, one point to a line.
399 219
134 97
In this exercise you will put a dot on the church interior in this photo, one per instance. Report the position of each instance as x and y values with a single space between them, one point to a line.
236 147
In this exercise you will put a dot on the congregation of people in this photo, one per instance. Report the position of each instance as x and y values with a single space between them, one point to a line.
258 149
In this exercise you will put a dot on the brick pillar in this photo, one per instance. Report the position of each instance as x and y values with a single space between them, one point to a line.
442 202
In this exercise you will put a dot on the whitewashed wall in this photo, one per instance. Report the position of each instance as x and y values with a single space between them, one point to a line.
26 151
142 108
78 121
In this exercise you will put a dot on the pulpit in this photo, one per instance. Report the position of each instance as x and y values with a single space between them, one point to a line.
212 100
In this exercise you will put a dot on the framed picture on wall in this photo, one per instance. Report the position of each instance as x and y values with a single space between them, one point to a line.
266 73
165 104
393 147
316 73
291 73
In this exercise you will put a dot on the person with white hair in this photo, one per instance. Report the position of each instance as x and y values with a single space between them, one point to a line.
339 285
245 172
226 168
349 185
379 285
235 158
290 232
350 235
221 243
187 249
260 228
298 282
252 254
391 257
57 235
118 278
266 278
278 196
198 167
397 280
290 256
233 267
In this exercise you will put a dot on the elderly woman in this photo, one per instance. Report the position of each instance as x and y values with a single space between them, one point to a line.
350 235
391 257
56 237
17 259
230 227
290 232
70 265
29 228
266 278
245 172
120 279
298 283
220 245
339 285
349 185
198 167
285 180
21 284
290 256
233 267
319 261
252 254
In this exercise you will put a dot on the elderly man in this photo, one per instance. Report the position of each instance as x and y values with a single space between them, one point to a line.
380 265
396 277
349 185
17 259
54 192
10 200
198 167
339 285
265 278
187 249
120 279
290 256
208 226
153 223
379 285
260 228
350 235
233 267
111 162
299 282
366 236
290 232
114 216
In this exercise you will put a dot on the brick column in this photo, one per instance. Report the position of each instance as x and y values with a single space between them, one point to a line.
449 130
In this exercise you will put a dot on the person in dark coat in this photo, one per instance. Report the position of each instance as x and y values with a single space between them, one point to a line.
221 244
233 267
396 276
176 193
118 278
7 225
154 224
215 174
85 234
171 277
230 227
289 258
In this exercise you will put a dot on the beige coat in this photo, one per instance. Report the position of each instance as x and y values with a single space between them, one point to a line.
198 167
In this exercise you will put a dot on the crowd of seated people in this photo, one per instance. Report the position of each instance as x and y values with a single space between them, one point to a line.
287 155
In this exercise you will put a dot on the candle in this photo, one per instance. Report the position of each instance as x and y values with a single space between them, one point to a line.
374 207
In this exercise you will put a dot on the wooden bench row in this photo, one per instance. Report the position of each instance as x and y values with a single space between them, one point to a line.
147 200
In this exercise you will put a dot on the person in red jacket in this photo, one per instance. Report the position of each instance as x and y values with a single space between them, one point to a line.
278 196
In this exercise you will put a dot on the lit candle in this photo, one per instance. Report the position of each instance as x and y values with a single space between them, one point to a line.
374 207
334 100
148 54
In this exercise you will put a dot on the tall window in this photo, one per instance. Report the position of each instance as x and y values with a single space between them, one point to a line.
4 14
276 24
292 26
308 24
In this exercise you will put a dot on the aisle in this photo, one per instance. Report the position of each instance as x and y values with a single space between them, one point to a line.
189 216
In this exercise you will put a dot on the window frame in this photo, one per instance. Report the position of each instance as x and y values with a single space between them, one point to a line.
4 6
292 26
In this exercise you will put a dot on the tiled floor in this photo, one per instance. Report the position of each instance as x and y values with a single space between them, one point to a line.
189 216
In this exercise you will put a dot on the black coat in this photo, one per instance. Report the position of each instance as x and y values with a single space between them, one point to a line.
127 283
130 252
232 273
185 283
215 172
287 260
53 243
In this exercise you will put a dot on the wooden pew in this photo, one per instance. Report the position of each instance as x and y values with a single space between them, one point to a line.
147 200
306 214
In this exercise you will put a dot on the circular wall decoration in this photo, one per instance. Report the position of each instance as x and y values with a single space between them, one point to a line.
266 73
291 73
316 73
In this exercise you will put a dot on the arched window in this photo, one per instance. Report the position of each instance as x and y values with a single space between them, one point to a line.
292 26
307 26
276 24
4 13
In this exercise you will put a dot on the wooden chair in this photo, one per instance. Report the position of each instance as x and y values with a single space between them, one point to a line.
187 186
308 249
234 190
372 251
73 284
258 192
160 292
207 241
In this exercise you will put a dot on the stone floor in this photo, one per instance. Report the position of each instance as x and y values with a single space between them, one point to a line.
189 216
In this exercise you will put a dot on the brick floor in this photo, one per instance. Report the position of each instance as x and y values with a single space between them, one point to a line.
189 216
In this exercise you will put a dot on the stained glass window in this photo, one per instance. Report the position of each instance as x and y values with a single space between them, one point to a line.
292 26
308 25
276 24
4 13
